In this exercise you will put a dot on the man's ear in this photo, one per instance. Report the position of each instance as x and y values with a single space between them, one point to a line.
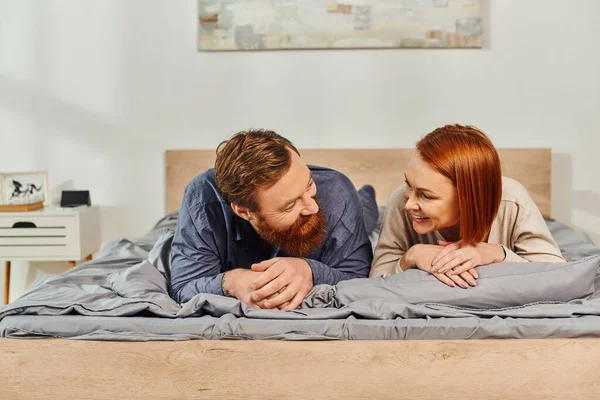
242 212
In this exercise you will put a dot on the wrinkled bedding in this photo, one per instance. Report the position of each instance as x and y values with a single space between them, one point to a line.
122 295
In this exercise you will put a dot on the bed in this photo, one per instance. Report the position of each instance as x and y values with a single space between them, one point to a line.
137 346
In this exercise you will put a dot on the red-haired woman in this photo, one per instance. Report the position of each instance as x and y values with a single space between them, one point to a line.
457 212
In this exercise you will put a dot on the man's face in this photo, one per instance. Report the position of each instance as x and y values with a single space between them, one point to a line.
289 216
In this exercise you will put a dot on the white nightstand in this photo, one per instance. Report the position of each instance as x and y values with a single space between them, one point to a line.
50 234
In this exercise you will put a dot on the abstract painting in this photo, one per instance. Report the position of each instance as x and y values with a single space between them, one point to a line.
313 24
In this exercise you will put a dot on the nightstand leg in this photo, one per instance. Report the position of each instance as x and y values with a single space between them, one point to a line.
72 264
88 258
6 281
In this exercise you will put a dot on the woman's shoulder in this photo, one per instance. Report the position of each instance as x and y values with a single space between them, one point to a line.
513 191
397 198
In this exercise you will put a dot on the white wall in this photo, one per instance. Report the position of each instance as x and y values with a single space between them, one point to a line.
95 91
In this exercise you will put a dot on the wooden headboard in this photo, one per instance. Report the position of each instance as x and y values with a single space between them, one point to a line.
382 168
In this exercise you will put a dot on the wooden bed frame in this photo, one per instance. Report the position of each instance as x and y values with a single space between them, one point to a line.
477 369
382 168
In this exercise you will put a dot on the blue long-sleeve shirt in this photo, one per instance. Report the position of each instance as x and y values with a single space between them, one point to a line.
211 239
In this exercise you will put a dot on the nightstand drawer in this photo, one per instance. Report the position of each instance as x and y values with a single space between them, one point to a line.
38 236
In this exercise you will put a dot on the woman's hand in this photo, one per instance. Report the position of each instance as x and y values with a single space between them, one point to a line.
460 256
421 256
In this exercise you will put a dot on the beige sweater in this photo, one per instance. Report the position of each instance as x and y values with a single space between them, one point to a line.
519 226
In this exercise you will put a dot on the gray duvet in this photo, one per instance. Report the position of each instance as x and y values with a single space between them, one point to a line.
122 295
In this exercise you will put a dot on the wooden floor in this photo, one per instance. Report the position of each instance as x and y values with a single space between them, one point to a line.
482 369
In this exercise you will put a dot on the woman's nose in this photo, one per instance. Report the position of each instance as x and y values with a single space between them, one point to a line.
411 204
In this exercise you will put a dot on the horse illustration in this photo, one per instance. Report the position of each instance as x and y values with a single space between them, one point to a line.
20 191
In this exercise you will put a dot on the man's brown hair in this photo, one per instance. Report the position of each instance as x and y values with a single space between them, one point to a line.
251 160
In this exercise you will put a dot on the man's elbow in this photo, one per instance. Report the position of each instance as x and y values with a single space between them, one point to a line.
356 274
175 293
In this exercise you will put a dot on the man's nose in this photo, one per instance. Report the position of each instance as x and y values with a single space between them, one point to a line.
312 207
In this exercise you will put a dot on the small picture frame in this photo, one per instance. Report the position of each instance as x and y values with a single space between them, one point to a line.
22 188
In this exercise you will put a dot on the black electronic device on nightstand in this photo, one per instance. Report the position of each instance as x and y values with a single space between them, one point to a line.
75 198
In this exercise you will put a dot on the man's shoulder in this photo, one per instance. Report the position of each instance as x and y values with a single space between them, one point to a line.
334 180
202 190
336 194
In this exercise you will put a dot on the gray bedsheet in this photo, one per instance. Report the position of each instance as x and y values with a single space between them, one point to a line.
122 295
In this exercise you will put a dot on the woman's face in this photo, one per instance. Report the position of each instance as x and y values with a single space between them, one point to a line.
431 199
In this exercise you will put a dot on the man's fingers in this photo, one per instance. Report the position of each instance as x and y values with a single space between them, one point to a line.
270 288
264 265
296 301
266 277
261 304
285 296
443 278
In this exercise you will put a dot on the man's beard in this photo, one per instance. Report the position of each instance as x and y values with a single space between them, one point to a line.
300 239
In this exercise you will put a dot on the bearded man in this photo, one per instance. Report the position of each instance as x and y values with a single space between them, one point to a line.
264 227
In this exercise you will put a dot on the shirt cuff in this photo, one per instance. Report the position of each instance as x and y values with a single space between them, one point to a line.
397 268
512 256
215 285
317 271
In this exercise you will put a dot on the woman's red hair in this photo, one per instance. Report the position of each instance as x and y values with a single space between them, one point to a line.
467 157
